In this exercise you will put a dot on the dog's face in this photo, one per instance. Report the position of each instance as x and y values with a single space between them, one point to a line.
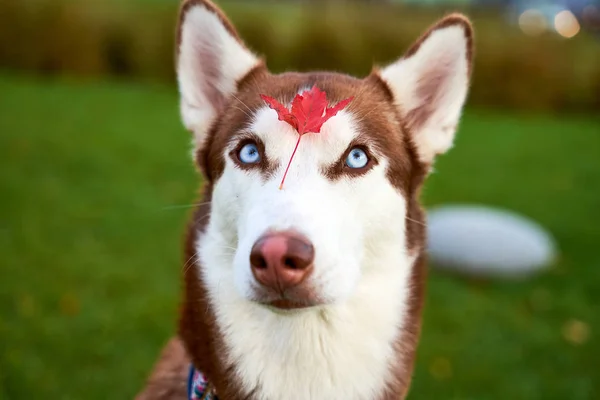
337 199
341 215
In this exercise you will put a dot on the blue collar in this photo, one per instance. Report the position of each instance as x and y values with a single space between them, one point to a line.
198 387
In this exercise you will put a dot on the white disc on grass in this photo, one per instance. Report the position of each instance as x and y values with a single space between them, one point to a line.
485 241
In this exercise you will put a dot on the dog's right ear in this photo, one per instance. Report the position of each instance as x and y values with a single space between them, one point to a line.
211 59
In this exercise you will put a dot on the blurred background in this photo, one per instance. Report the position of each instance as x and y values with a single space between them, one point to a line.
96 183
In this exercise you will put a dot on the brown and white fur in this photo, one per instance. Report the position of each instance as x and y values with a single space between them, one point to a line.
357 335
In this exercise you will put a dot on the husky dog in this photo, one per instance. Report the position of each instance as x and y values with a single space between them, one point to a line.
312 290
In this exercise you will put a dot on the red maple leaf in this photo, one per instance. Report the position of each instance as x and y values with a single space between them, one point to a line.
308 113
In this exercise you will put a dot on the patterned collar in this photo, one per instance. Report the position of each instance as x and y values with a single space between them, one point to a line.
199 388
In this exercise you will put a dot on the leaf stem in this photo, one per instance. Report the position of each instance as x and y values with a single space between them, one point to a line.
290 162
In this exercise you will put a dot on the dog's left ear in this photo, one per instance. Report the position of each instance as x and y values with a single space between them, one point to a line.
211 59
430 84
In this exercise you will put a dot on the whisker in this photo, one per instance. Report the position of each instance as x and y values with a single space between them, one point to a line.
244 104
204 216
415 221
195 257
175 206
229 247
244 111
365 115
187 264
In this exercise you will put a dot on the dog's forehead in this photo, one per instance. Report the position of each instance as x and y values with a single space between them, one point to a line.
371 116
324 147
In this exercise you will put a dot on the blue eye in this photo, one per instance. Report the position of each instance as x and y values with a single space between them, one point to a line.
357 158
249 154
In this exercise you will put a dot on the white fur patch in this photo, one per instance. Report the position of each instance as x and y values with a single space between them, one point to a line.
441 59
342 350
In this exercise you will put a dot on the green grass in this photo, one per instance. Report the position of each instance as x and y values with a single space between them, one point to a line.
90 248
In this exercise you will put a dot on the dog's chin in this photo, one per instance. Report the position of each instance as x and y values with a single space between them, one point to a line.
284 306
286 303
287 306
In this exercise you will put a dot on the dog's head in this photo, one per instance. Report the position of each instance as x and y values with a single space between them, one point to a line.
344 212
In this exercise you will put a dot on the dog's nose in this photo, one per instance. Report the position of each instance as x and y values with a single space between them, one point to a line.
281 260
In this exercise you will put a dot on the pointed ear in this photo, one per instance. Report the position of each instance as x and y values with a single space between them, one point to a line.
211 59
430 84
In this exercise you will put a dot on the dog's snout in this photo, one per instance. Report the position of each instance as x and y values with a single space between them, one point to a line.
281 260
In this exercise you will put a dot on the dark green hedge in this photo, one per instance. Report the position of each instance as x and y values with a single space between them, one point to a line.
135 38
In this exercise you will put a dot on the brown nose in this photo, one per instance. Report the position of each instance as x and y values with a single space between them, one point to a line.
281 260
